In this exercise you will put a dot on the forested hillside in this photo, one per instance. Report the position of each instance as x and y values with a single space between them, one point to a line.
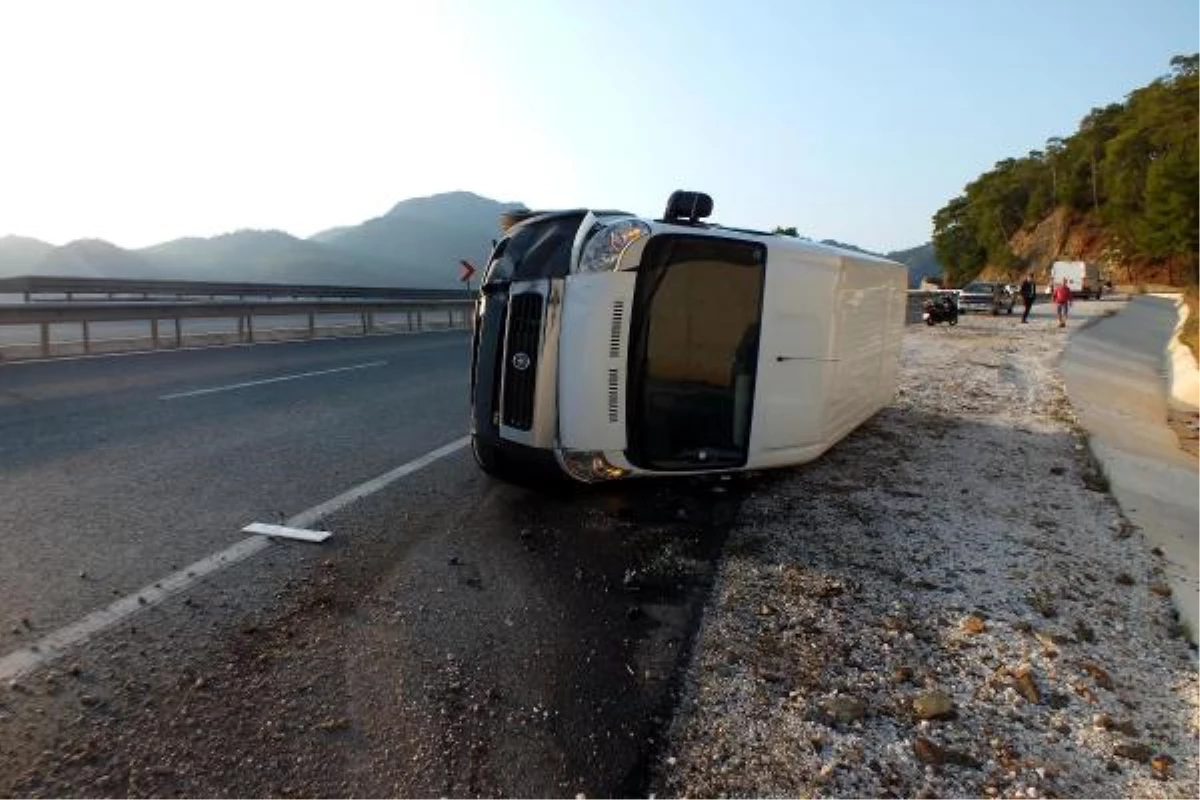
1122 190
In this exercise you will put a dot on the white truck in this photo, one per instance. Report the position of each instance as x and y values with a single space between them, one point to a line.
1083 277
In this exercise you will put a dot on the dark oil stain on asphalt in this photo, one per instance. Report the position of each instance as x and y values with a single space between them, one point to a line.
573 618
637 561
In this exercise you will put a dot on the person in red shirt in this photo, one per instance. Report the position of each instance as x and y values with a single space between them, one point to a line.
1062 301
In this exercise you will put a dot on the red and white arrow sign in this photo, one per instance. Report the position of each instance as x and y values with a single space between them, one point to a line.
466 270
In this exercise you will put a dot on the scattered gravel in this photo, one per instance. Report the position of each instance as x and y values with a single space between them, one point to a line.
949 603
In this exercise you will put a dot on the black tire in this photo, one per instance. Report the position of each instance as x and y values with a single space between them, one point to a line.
489 458
1010 308
538 474
930 321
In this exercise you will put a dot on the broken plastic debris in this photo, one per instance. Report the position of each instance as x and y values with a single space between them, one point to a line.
284 532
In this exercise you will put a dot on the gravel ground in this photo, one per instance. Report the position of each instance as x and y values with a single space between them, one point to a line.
949 603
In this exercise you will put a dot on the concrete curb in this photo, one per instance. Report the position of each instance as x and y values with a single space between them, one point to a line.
1120 384
1183 374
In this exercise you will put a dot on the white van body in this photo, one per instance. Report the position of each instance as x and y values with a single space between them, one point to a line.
633 378
1083 278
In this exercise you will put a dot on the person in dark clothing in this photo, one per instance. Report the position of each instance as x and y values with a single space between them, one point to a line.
1028 293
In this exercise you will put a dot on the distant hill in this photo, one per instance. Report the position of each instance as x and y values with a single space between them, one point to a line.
270 257
427 234
19 255
417 244
1122 190
922 263
95 258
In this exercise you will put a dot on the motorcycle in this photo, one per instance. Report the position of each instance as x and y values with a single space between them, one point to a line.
940 308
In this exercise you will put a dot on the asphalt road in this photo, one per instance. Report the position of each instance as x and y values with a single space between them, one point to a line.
111 475
455 636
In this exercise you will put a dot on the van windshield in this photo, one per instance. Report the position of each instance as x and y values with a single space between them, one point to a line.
540 248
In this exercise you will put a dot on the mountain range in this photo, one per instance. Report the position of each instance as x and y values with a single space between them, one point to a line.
416 244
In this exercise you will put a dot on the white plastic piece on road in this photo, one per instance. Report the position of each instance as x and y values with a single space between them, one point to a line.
284 532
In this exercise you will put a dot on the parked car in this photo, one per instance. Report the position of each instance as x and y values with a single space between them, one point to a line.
986 296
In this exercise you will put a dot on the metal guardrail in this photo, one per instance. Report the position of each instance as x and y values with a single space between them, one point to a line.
417 315
32 285
422 309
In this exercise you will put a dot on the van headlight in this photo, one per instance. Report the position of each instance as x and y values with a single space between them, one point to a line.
602 251
589 466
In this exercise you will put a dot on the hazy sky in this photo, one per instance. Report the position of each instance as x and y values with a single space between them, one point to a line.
850 119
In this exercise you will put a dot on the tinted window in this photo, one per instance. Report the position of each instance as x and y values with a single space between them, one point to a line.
543 249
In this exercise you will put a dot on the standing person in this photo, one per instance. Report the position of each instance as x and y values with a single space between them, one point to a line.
1028 293
1062 301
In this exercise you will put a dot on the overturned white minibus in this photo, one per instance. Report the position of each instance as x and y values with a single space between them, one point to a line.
610 346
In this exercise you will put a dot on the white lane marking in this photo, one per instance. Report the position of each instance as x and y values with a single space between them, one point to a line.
55 644
284 532
280 379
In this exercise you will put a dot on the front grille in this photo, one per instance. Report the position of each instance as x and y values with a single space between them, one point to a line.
520 368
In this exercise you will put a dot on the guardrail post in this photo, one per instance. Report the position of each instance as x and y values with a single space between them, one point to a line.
250 328
87 338
419 323
45 339
312 325
408 317
365 324
178 334
154 333
449 318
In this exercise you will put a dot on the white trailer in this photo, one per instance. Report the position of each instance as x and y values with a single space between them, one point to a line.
1083 278
675 347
